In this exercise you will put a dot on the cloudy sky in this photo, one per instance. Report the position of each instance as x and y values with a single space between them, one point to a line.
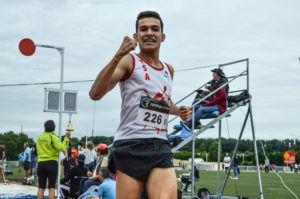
198 33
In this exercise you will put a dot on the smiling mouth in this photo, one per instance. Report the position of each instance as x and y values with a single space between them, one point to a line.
149 41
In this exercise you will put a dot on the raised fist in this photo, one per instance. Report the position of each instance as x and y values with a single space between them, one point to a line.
185 113
127 45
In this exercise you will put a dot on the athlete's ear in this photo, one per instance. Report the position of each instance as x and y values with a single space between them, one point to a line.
134 36
163 37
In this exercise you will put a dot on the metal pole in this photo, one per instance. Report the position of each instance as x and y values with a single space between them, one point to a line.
193 150
235 149
61 51
219 159
256 154
248 75
93 121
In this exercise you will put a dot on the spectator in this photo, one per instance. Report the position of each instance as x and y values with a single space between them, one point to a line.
94 177
219 75
107 188
21 161
267 165
261 166
2 160
48 145
71 159
90 156
291 167
296 168
235 167
27 160
33 164
218 103
226 162
80 147
62 158
196 173
70 184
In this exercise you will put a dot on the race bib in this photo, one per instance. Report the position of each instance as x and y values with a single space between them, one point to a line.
153 112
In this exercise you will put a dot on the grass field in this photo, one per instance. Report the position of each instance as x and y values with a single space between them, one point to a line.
246 185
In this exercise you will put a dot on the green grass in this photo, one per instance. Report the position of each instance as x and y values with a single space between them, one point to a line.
18 177
247 184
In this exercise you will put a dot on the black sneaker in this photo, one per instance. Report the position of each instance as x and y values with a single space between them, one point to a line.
198 125
185 125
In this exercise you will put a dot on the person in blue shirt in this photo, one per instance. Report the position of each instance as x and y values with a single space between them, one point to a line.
21 161
106 190
27 160
33 163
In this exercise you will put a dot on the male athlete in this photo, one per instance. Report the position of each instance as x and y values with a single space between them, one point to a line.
141 154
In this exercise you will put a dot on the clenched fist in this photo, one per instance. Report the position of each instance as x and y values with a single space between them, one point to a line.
185 113
127 45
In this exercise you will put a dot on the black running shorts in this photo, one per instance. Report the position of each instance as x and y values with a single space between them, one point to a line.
137 157
26 165
47 169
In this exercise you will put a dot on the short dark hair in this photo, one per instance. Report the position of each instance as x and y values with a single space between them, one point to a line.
147 14
104 172
49 126
80 144
1 142
102 152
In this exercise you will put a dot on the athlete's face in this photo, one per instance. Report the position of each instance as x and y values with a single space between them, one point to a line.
149 35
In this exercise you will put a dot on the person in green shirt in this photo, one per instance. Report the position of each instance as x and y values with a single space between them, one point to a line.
48 145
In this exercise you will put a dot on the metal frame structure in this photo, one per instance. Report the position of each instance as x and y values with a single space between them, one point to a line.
61 51
218 119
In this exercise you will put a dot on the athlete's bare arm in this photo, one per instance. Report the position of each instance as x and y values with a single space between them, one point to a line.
184 112
114 71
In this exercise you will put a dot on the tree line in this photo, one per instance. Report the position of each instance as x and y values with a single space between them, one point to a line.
204 147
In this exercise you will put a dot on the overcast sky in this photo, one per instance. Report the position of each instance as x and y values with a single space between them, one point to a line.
198 33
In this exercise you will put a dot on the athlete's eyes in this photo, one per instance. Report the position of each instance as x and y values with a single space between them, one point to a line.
155 29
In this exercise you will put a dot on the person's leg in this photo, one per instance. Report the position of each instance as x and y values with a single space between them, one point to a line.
162 184
81 184
35 169
92 166
235 170
199 112
89 183
51 193
127 187
40 193
20 167
27 173
42 178
32 169
52 175
204 109
2 175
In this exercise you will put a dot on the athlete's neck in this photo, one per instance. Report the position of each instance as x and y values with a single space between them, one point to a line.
151 58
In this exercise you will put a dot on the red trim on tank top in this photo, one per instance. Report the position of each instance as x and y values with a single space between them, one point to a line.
150 64
169 70
123 80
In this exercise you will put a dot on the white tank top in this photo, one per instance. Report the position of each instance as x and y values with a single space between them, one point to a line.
144 82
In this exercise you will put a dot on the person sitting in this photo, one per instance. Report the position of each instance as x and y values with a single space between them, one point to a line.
106 190
77 173
218 103
219 75
90 156
93 178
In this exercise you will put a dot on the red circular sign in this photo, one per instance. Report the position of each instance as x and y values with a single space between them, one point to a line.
27 47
